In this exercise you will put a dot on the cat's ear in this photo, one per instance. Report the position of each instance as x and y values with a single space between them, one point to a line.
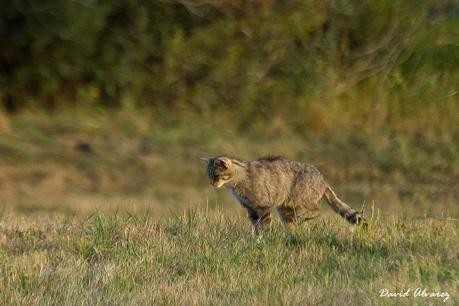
206 159
226 162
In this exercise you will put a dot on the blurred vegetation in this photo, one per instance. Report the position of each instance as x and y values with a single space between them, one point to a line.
318 65
79 161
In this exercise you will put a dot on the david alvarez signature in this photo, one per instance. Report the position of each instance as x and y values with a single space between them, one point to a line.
417 293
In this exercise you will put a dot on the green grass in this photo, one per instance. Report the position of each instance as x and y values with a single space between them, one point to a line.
210 257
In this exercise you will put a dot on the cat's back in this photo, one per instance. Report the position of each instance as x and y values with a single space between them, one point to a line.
280 169
273 168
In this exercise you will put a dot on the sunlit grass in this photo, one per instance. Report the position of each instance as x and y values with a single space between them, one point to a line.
211 258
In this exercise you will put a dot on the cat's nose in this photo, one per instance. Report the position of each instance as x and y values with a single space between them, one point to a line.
216 183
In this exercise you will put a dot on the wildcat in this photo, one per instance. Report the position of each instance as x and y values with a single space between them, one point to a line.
291 187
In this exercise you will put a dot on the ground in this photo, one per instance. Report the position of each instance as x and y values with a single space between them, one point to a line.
205 257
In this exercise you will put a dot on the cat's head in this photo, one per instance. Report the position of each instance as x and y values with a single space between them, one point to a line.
219 169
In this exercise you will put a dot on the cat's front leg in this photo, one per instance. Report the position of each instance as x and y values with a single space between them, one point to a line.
261 219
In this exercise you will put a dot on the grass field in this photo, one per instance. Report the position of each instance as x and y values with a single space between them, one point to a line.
115 208
208 258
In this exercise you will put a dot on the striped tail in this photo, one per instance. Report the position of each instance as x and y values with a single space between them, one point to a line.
341 208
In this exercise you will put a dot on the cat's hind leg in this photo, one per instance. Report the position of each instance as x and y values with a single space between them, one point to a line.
291 216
